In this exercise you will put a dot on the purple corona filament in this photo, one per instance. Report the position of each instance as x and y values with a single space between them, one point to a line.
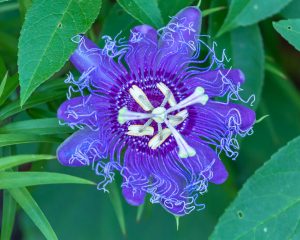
150 109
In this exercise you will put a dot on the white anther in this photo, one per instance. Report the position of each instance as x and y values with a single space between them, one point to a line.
185 150
197 96
167 93
163 134
127 115
140 130
159 138
141 98
178 118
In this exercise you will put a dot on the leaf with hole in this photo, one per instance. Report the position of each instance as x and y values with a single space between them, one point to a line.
290 30
268 206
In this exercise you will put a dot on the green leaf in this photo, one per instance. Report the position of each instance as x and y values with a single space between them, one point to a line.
29 205
8 216
248 55
8 85
268 206
169 8
115 199
210 11
22 138
45 43
144 11
12 161
36 99
248 12
43 126
23 179
244 46
291 10
290 30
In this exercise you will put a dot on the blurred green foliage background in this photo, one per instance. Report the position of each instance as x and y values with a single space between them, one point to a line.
78 212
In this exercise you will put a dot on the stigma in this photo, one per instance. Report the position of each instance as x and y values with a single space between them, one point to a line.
164 117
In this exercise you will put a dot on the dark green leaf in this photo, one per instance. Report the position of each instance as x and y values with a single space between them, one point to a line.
290 30
29 205
46 38
247 12
12 161
43 126
36 99
244 46
115 199
8 216
248 55
291 10
8 85
169 8
268 206
144 11
23 179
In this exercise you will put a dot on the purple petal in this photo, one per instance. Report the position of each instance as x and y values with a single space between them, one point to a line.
213 167
143 47
236 114
178 40
217 82
101 68
83 111
134 197
82 148
134 179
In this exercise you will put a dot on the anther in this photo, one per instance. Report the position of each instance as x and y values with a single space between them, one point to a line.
141 98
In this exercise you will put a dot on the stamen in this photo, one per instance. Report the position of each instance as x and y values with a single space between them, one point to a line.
159 138
141 98
197 96
163 134
178 118
167 93
127 115
140 130
185 150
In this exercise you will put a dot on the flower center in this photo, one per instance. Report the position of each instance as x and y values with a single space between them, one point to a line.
161 116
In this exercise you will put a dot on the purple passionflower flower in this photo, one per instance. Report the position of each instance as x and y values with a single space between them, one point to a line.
150 108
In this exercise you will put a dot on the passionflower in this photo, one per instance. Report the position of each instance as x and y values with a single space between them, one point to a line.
159 109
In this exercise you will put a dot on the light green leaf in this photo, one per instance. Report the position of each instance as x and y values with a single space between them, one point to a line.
45 43
248 12
144 11
290 30
43 126
29 205
8 216
23 179
268 206
22 138
12 161
210 11
115 199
